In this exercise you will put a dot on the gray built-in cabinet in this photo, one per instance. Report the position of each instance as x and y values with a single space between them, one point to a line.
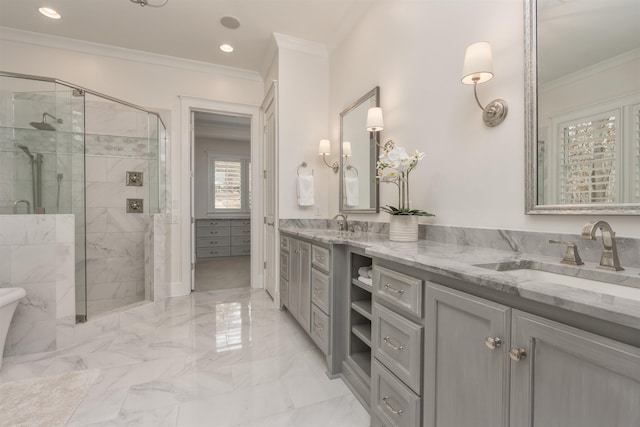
421 349
222 237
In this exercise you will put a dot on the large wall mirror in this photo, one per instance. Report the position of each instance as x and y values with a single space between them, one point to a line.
358 156
583 107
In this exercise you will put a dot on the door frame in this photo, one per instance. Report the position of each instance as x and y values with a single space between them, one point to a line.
188 105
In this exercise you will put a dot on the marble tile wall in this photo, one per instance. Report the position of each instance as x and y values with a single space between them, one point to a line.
507 240
37 253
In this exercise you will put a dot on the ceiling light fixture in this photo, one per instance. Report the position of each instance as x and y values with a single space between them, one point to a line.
49 13
230 22
226 48
150 3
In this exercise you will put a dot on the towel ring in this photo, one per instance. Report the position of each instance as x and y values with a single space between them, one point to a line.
349 167
303 165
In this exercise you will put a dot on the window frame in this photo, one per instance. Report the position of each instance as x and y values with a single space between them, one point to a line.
245 189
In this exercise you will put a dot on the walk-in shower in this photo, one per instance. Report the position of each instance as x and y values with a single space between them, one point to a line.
65 149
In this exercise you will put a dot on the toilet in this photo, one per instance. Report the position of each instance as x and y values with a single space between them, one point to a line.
9 298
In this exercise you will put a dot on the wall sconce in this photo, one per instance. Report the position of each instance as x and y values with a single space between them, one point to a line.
375 123
346 149
478 68
324 150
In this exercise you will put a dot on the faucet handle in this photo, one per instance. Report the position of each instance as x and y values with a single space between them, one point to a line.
571 255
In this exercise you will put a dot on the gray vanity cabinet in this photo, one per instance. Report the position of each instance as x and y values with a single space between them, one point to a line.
300 282
487 364
571 378
466 367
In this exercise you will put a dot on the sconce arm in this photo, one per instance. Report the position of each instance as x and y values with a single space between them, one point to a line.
335 166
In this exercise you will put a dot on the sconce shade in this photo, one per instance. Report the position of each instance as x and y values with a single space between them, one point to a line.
346 149
478 64
374 119
325 147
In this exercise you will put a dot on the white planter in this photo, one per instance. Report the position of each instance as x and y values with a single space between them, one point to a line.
403 228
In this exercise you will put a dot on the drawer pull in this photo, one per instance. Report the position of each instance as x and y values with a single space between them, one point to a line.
320 257
517 354
317 290
394 290
213 232
391 408
387 341
493 342
318 327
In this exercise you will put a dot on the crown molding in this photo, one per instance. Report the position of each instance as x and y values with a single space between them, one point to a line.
300 45
28 37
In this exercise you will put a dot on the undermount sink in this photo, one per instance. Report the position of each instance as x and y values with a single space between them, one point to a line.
529 271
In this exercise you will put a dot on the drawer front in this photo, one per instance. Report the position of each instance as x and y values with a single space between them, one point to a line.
240 250
284 264
320 257
399 290
201 223
392 402
240 222
241 231
397 343
212 252
284 292
240 241
212 242
320 328
320 290
284 243
212 231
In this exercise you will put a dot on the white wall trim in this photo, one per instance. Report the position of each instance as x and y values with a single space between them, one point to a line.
300 45
20 36
187 105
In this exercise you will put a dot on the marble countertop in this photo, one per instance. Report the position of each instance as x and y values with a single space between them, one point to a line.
610 296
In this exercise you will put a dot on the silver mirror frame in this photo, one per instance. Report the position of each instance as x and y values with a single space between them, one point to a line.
373 93
531 136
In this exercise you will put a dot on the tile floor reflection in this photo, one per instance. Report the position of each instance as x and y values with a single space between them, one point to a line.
221 358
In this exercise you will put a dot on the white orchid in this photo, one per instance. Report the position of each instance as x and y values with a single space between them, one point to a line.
394 165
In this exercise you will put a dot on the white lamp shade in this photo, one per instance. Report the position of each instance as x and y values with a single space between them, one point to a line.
374 119
346 149
325 147
478 64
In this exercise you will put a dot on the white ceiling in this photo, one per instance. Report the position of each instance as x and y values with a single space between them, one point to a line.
191 29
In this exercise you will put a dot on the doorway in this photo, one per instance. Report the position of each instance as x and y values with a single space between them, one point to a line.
222 200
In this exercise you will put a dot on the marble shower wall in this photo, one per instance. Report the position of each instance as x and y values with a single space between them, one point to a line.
37 254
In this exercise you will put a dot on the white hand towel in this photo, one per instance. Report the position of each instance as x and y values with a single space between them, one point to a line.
366 280
365 271
352 191
305 190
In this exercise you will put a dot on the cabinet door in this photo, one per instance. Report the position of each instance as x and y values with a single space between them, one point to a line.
304 306
466 381
569 377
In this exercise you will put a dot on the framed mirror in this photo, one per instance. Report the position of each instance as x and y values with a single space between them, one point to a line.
582 107
359 190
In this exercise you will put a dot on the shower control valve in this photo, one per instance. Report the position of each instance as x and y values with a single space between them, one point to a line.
134 206
134 179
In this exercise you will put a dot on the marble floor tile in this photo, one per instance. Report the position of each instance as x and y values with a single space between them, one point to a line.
221 358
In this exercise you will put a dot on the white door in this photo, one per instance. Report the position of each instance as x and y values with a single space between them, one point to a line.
270 192
192 228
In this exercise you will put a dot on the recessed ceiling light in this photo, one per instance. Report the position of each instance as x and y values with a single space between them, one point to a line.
49 13
230 22
226 48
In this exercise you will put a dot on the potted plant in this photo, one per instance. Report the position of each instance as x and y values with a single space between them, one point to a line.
394 165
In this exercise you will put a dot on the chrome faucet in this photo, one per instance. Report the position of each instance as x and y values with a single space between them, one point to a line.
15 206
609 259
344 224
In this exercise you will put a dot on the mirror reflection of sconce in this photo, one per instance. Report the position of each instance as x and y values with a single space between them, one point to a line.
346 149
325 150
478 68
375 123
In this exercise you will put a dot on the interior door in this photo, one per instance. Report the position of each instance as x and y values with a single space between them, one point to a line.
270 192
192 227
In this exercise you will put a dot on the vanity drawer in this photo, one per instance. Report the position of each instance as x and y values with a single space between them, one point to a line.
240 241
399 290
201 223
240 222
392 402
284 244
213 231
211 242
397 343
320 290
241 231
240 250
284 264
212 252
320 328
320 257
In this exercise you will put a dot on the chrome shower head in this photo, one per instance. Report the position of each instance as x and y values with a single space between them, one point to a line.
43 125
26 151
